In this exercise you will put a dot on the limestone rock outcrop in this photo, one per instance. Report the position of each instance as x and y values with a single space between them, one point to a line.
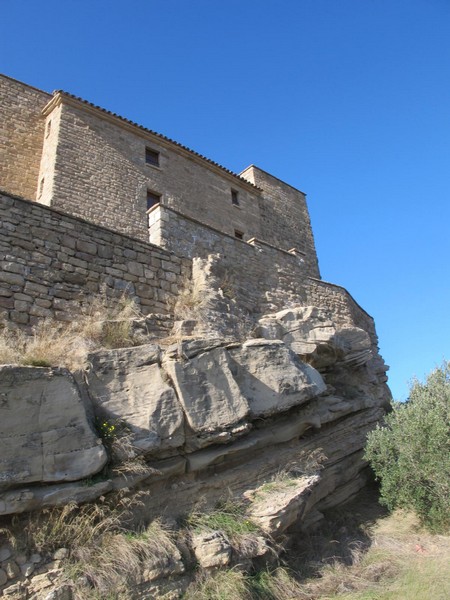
127 384
44 431
201 405
313 335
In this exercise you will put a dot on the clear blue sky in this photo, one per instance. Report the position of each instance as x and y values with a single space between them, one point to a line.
348 100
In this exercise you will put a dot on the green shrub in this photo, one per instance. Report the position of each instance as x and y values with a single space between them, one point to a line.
411 453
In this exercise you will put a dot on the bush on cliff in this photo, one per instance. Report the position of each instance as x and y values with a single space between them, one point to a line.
411 453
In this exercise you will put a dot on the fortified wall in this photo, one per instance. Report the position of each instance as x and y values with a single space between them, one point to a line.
93 202
66 153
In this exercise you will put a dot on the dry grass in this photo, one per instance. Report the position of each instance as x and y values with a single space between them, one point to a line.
308 463
229 516
364 554
221 585
234 584
360 553
113 567
57 344
107 558
69 526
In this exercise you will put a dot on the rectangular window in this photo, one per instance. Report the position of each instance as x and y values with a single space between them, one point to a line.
152 157
235 197
238 234
152 199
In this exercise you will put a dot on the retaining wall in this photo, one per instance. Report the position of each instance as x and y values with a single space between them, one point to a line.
50 262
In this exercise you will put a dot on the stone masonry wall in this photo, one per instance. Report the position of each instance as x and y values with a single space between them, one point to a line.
50 262
322 293
69 154
21 135
263 278
101 175
285 221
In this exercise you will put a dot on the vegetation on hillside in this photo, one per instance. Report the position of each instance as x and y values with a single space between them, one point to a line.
410 453
359 553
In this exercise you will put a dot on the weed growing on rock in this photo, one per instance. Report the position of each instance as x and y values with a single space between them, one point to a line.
229 516
101 324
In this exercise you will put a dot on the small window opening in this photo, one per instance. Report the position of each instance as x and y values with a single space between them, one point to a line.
235 197
238 234
49 128
152 157
152 199
41 187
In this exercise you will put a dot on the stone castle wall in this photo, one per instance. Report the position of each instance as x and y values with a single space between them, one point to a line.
21 134
67 153
261 277
285 219
83 161
101 175
51 262
343 305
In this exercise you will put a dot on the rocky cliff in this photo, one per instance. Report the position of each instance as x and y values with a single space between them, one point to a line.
273 413
204 414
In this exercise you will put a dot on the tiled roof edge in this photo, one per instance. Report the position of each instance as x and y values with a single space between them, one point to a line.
155 133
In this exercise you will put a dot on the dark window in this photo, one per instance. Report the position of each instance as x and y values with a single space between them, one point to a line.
238 234
152 157
152 199
235 197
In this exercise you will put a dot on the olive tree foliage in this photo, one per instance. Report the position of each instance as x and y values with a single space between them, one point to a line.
410 453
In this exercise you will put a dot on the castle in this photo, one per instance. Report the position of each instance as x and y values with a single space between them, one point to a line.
246 364
90 199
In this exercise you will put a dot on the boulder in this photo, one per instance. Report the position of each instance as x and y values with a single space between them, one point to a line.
275 511
272 378
128 385
212 549
44 432
309 332
209 394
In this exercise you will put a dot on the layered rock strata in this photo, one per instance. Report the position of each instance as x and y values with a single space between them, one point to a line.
204 415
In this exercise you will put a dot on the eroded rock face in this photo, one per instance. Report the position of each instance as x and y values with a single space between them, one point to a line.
212 549
272 378
201 405
44 432
128 384
310 333
276 512
208 392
